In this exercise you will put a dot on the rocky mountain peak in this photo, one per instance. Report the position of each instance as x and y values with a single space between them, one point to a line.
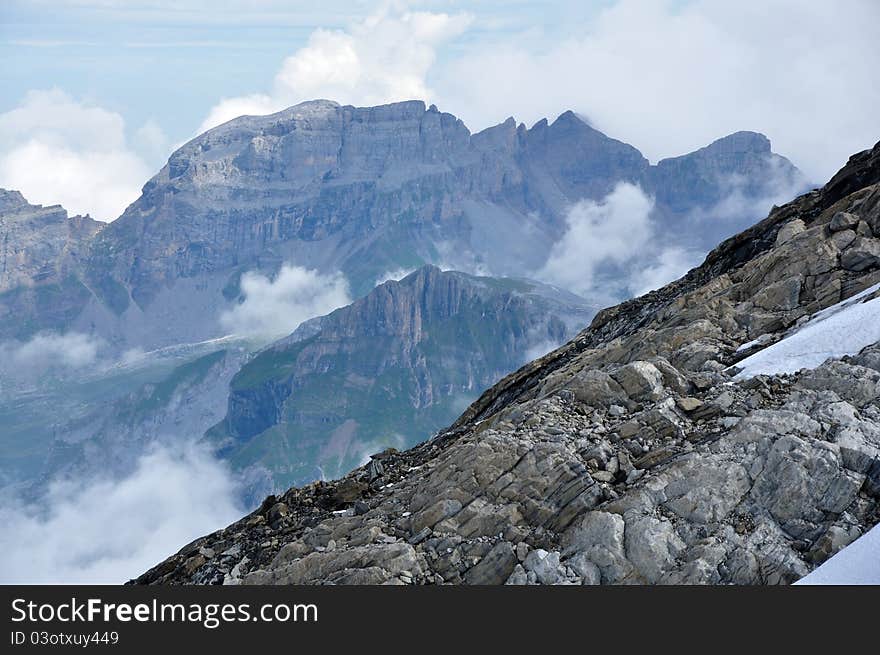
739 142
304 111
402 362
740 163
570 118
10 200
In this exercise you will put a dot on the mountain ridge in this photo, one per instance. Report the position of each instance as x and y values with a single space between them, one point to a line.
41 250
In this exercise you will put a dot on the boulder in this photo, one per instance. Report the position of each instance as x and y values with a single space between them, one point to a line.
843 221
641 381
862 255
495 568
790 230
599 537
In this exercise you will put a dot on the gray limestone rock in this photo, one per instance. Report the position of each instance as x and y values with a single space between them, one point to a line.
641 381
862 254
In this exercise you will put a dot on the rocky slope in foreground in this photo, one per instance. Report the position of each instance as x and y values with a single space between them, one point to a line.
630 455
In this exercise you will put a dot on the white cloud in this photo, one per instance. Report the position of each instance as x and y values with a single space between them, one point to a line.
799 72
669 265
73 350
612 249
276 307
743 206
108 531
611 232
151 140
47 352
57 150
384 58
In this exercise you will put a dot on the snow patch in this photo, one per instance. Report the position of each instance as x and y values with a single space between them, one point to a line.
858 563
842 329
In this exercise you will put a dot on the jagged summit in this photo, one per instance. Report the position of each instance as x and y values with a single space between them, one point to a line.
735 143
12 200
743 141
636 453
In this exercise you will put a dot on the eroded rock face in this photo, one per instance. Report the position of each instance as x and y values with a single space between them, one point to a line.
370 189
548 492
630 455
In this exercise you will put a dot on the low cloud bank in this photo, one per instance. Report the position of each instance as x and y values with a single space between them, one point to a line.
620 246
606 233
47 354
746 201
71 350
275 307
108 531
610 249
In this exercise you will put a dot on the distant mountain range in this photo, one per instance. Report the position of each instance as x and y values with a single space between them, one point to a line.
385 371
363 191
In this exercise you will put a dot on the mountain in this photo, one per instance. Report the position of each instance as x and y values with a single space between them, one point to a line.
41 253
386 371
371 190
648 449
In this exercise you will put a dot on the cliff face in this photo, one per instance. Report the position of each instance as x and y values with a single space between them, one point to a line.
369 190
41 250
636 453
388 370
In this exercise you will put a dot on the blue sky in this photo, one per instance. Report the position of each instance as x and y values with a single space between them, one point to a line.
171 61
96 93
168 65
